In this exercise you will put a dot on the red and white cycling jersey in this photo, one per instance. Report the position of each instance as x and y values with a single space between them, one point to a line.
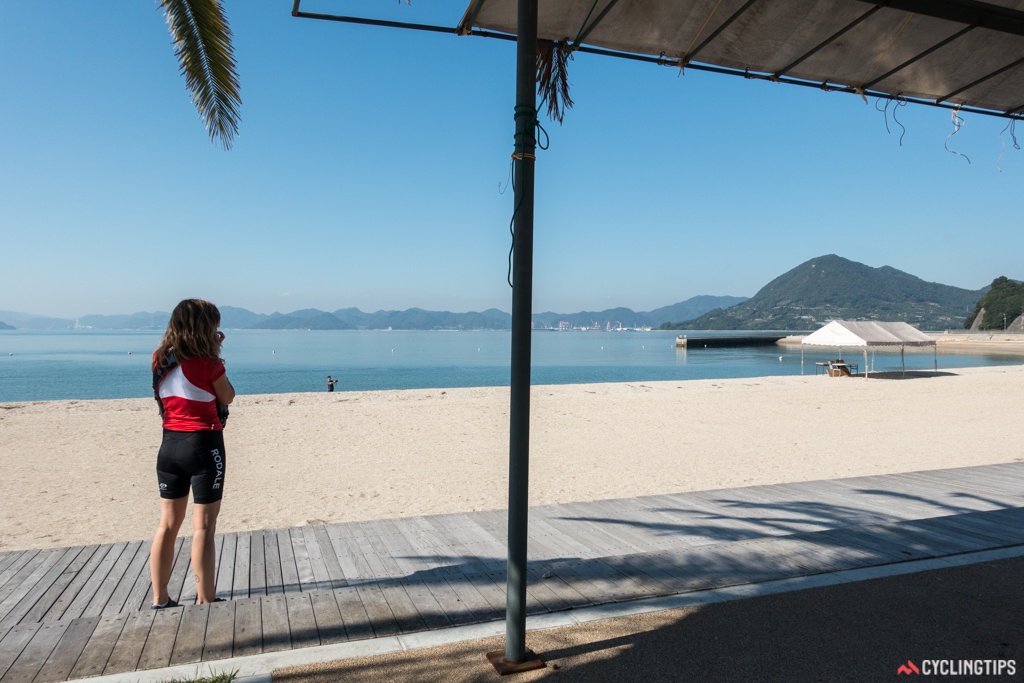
188 397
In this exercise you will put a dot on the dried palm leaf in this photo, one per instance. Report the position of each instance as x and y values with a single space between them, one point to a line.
553 77
202 44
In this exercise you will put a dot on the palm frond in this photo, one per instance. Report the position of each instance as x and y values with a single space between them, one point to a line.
553 77
202 44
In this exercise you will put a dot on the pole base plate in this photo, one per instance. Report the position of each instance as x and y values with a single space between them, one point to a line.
505 667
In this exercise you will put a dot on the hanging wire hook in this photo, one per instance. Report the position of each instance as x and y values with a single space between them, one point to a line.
1010 125
958 123
900 102
885 113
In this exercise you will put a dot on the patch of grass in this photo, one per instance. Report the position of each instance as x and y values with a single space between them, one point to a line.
216 678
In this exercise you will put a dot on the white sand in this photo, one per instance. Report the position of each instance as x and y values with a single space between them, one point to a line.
80 472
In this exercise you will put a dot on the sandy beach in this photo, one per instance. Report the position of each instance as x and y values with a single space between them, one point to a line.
82 472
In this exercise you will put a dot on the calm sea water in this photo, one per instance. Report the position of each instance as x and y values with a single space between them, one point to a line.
70 364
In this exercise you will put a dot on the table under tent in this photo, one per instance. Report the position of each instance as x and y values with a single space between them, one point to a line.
868 333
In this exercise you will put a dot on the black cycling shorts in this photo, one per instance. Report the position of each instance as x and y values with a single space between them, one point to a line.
192 459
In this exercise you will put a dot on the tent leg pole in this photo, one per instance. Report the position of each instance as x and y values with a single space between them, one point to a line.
515 656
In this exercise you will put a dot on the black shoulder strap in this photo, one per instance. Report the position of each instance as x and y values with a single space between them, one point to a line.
160 370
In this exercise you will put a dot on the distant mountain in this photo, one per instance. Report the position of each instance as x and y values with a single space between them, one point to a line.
1002 305
132 321
5 326
683 310
692 308
410 319
830 287
233 318
27 321
419 319
309 319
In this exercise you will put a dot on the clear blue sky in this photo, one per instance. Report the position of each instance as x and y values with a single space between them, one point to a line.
370 162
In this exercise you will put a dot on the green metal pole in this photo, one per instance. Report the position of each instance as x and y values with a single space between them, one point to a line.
522 314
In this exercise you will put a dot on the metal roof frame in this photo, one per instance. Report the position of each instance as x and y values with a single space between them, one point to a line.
970 13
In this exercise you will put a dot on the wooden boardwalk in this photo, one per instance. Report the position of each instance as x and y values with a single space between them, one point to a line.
68 613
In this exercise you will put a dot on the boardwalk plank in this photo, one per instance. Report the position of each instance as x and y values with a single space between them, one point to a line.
220 631
176 585
36 652
335 574
878 538
13 575
302 565
625 535
105 591
97 576
440 578
141 595
62 660
188 641
156 653
368 592
276 635
636 528
398 551
100 646
378 611
329 623
468 569
559 538
317 559
38 597
240 581
226 567
301 621
248 633
272 558
980 525
962 540
257 564
343 552
389 578
12 645
138 566
353 613
27 579
289 569
7 558
131 638
853 537
978 483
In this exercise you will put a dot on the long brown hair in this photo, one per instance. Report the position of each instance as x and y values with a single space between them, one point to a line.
191 332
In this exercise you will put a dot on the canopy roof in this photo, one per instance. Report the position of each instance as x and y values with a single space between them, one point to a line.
868 333
955 53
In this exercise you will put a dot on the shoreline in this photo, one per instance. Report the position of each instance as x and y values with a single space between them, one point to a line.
81 471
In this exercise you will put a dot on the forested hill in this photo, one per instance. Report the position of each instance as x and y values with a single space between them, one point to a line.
832 287
1003 304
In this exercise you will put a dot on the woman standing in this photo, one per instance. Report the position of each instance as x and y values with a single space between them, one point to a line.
190 382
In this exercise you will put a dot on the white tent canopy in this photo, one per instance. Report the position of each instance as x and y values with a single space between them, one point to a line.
868 333
865 333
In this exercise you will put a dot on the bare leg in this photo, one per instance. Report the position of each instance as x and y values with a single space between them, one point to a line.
161 554
204 554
